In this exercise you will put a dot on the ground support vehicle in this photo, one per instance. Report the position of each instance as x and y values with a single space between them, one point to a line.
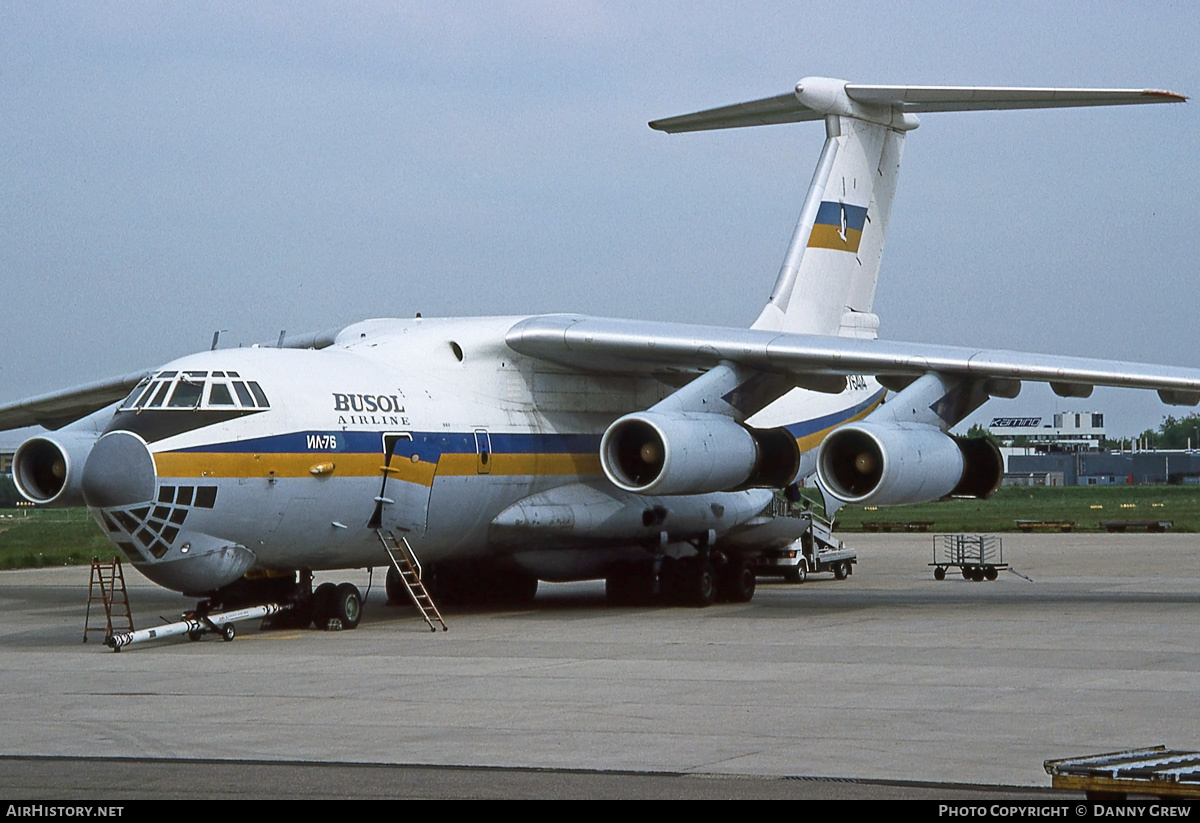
817 550
978 556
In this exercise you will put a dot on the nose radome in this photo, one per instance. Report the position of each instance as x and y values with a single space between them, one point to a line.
118 472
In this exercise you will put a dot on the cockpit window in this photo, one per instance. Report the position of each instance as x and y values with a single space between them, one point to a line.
159 395
244 394
257 391
219 395
138 390
187 394
196 390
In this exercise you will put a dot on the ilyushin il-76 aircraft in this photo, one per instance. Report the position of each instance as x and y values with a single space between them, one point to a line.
507 450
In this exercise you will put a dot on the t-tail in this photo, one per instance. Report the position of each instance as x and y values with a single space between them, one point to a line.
827 282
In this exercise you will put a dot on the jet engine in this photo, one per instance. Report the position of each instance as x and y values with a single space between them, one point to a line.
47 469
896 463
695 453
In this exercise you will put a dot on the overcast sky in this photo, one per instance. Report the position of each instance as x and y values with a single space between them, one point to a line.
169 169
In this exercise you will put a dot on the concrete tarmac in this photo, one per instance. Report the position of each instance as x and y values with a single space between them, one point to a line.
888 676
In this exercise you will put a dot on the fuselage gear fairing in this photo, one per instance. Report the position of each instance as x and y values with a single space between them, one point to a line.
507 450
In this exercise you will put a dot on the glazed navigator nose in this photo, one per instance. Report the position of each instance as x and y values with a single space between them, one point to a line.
118 472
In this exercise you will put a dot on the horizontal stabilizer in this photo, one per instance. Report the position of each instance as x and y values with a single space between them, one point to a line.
783 108
816 97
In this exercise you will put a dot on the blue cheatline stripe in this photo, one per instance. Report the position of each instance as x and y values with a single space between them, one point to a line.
830 214
807 427
432 445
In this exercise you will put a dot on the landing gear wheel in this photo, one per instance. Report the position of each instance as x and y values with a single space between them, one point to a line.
699 584
738 582
322 605
841 569
228 632
939 573
347 605
990 573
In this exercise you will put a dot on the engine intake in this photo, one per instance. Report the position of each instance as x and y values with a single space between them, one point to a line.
48 469
655 453
897 463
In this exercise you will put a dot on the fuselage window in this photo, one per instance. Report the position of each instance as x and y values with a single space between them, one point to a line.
219 395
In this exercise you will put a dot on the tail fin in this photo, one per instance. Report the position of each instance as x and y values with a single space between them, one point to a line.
827 282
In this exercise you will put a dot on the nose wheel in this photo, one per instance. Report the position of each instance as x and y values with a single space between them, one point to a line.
337 606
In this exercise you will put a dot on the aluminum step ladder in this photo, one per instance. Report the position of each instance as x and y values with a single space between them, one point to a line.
405 562
108 586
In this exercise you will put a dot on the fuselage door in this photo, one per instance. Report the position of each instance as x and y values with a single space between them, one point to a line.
403 500
483 452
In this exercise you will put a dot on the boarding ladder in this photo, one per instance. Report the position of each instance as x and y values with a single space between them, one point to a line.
108 586
404 560
822 531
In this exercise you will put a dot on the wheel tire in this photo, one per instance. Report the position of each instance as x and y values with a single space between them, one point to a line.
977 575
841 570
347 605
228 632
698 586
990 573
322 604
967 571
194 635
738 582
939 573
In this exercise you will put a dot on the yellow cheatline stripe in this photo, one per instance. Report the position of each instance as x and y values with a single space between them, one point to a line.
812 441
266 465
828 237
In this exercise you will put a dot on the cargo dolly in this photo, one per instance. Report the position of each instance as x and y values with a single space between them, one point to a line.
978 556
1156 771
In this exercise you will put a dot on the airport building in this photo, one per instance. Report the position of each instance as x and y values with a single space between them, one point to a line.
1104 468
1068 432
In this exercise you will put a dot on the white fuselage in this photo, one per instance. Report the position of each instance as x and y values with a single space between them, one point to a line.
433 429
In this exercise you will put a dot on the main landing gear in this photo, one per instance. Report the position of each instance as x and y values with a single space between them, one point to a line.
700 580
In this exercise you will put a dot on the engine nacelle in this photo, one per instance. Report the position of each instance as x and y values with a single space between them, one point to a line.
895 463
688 453
47 469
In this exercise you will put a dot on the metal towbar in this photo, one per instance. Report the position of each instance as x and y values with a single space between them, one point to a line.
195 626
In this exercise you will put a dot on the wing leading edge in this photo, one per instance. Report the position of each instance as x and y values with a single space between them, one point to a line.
602 345
56 409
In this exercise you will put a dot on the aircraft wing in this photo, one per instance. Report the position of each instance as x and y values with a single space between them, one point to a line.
56 409
625 346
